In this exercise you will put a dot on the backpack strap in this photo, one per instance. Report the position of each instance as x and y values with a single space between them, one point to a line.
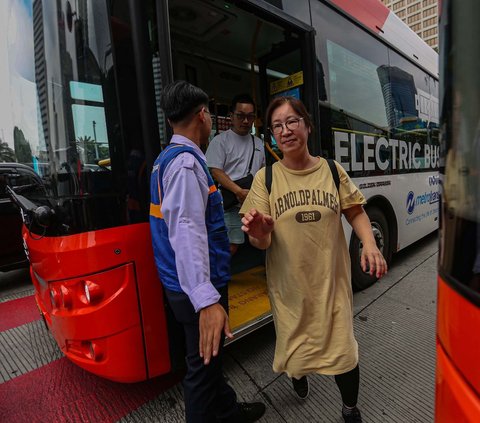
253 153
334 170
268 178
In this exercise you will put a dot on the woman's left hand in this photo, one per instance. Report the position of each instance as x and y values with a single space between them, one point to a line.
373 260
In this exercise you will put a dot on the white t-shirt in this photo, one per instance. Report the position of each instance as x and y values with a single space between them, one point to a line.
231 153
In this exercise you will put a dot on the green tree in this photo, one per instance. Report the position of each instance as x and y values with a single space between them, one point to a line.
6 153
86 149
22 147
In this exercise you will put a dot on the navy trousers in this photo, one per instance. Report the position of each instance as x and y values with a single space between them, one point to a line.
208 397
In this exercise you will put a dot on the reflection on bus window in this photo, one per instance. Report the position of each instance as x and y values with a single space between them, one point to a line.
89 122
90 133
354 85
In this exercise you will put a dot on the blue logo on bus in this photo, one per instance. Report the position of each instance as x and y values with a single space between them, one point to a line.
410 202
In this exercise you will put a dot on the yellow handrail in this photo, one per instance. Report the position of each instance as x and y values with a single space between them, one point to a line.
270 150
104 162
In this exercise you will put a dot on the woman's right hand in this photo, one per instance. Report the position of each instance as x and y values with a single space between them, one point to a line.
257 225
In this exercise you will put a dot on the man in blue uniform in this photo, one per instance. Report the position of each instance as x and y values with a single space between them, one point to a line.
192 256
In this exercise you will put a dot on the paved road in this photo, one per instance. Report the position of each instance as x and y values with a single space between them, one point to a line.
394 325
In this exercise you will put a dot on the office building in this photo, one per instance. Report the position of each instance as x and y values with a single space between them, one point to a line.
420 15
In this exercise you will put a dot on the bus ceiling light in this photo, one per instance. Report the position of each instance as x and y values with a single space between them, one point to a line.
66 297
93 292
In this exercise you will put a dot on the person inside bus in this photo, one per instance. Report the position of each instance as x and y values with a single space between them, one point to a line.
231 156
308 264
192 256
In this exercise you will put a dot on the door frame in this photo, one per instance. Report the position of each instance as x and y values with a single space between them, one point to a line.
269 13
308 55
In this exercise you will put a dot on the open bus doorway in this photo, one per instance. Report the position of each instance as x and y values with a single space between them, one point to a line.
226 50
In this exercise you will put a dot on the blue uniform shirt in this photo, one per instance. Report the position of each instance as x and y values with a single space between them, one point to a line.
189 237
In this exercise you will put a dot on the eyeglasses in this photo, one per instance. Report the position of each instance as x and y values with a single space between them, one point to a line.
242 116
290 124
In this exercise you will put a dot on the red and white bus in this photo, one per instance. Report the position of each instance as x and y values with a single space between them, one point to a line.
458 312
369 82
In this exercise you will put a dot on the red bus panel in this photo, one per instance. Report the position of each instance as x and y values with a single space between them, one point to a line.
101 297
458 352
371 13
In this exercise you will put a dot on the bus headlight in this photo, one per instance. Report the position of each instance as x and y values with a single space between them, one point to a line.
55 298
95 352
66 297
93 292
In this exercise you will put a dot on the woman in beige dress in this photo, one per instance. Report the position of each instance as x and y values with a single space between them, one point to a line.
308 264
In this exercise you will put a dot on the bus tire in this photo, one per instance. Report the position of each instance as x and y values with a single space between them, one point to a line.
360 279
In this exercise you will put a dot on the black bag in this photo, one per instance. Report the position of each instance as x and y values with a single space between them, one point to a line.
229 198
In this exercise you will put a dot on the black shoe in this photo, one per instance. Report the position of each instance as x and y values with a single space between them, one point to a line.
351 415
301 387
249 412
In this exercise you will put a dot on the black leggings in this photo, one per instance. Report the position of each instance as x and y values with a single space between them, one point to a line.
348 384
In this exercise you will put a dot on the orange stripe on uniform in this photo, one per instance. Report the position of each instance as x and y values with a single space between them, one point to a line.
212 189
156 211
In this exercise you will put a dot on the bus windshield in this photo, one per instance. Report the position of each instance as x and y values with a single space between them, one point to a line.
92 176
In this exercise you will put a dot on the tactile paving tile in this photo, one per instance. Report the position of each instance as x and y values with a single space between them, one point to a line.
25 348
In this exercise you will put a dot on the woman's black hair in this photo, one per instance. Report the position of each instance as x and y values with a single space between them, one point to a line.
296 105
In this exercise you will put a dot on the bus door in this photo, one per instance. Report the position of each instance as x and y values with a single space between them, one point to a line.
289 70
229 49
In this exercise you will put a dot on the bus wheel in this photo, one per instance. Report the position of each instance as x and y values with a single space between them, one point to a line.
361 279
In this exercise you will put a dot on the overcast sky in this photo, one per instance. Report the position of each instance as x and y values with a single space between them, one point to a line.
17 74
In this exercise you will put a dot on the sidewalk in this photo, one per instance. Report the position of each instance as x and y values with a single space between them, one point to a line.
395 329
394 325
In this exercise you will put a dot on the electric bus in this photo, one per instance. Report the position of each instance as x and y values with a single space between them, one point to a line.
369 82
458 307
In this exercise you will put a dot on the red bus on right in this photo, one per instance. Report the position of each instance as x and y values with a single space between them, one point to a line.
457 397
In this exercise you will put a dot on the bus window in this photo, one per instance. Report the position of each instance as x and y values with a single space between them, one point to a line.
457 381
89 123
79 115
355 104
461 259
414 113
281 74
355 89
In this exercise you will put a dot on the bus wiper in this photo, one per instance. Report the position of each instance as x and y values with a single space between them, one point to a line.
27 187
41 215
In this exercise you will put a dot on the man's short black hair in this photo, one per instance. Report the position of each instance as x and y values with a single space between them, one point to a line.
242 98
180 98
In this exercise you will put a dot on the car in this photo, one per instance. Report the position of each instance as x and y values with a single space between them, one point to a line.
22 179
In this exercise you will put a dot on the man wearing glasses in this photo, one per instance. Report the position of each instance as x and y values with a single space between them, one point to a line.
232 155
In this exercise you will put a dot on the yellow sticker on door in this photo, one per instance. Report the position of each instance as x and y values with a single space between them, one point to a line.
286 83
